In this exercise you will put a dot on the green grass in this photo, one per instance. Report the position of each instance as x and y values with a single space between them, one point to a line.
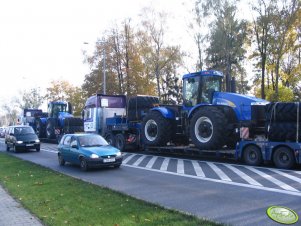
62 200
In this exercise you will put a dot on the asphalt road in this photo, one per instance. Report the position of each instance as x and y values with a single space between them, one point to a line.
224 192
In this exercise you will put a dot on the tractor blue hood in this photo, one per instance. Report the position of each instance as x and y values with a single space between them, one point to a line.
240 103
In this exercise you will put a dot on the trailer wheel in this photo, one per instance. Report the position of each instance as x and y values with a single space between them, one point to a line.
284 158
156 130
208 129
50 128
40 129
120 141
110 138
252 155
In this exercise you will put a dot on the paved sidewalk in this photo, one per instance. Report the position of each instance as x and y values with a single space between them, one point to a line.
13 214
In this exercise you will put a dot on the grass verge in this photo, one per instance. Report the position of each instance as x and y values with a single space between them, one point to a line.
58 199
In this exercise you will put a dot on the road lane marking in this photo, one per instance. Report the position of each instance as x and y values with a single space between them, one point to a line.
139 160
151 162
180 166
272 179
294 193
219 172
244 176
198 169
287 175
46 150
164 164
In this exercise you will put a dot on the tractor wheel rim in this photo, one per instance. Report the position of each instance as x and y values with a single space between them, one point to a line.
151 130
203 129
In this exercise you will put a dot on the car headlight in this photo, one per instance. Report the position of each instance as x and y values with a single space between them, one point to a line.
94 156
37 141
19 142
118 153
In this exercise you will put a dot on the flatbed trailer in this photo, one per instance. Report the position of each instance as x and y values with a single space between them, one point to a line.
284 155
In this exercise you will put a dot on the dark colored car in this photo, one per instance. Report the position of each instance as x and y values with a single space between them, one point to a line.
21 137
88 151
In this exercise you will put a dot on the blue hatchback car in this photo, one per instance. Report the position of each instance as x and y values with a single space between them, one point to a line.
88 151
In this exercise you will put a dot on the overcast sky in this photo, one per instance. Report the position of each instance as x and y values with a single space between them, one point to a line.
42 41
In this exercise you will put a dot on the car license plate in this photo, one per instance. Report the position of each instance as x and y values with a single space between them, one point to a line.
109 160
28 145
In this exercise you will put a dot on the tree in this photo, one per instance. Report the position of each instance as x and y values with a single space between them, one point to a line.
262 32
64 91
227 38
31 99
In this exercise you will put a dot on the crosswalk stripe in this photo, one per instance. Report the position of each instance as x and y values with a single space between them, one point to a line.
151 162
180 166
128 158
219 172
139 160
298 172
272 179
244 176
198 169
164 164
287 175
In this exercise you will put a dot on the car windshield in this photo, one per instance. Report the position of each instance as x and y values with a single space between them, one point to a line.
92 141
24 130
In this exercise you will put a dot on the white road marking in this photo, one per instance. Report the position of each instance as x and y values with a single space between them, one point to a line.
139 160
244 176
151 162
164 164
180 166
128 158
219 172
222 181
46 150
198 169
286 175
272 179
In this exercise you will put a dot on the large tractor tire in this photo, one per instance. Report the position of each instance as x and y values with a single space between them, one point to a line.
283 132
208 129
50 128
282 112
156 130
73 125
40 128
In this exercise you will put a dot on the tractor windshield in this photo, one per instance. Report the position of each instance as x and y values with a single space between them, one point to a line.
191 91
194 93
210 84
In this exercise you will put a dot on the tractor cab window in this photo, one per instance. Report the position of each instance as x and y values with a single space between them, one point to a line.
191 91
210 84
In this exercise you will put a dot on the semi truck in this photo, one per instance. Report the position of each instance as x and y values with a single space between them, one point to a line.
208 119
54 123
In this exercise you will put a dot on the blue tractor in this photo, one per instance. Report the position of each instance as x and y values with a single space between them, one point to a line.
208 118
57 121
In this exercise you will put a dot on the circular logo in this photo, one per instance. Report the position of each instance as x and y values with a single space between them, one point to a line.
282 215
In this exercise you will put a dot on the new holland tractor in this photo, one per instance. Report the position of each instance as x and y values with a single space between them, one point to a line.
57 121
208 118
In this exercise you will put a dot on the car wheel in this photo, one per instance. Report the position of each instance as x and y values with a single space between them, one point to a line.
83 164
38 149
7 147
61 160
117 166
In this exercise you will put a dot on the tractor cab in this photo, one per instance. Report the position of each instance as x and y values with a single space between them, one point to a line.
199 87
59 109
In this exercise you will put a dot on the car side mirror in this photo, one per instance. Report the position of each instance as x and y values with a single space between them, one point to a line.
74 146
